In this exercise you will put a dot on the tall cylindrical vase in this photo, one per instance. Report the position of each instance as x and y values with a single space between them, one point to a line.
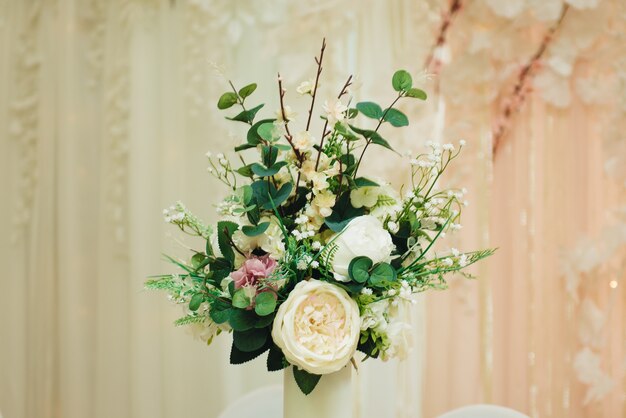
331 398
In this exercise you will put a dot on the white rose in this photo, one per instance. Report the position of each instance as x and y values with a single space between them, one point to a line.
317 327
363 236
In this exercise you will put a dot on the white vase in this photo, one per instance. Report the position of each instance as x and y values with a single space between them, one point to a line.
331 398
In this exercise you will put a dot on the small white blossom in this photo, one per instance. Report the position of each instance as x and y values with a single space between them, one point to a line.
391 292
315 264
447 262
448 147
463 260
316 245
208 154
455 252
220 156
392 226
462 142
366 291
306 87
335 111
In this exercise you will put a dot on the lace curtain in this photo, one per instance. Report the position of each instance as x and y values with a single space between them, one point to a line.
107 108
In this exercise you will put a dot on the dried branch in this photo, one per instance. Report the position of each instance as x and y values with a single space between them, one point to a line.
513 103
317 80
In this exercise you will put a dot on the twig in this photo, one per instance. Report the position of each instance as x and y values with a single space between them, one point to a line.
446 22
343 91
317 80
282 111
514 102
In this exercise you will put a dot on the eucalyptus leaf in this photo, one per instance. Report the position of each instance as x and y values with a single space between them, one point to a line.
416 93
363 182
396 118
382 274
247 90
225 230
267 131
401 81
196 301
265 303
240 299
227 100
253 136
370 109
255 230
359 267
247 116
220 316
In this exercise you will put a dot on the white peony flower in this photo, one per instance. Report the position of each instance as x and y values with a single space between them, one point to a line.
363 236
335 111
317 327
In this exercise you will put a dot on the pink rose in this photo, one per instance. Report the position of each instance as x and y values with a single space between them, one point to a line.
252 273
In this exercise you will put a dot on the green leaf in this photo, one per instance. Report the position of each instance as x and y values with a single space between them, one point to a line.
246 170
416 93
253 136
244 147
267 131
262 171
379 140
254 230
358 270
401 81
396 118
275 359
269 153
247 90
197 260
220 316
247 116
363 182
370 109
382 274
280 196
241 320
343 213
225 230
265 303
239 357
306 381
345 131
226 100
196 301
352 113
264 321
240 299
246 194
251 340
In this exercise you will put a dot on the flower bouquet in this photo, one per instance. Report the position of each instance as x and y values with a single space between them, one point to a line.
311 261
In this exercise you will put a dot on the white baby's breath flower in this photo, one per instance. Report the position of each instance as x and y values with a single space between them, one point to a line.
335 111
463 260
366 291
392 226
462 143
316 245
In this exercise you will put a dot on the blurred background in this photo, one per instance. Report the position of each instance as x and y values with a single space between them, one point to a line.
107 108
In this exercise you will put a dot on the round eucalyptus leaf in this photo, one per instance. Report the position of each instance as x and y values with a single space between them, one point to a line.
359 267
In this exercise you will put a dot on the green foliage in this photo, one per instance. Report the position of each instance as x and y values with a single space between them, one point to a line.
382 274
188 320
401 81
247 116
343 213
227 100
255 230
306 381
416 93
370 109
251 340
225 230
359 267
239 357
275 359
363 182
240 299
196 301
396 118
247 90
242 320
265 303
